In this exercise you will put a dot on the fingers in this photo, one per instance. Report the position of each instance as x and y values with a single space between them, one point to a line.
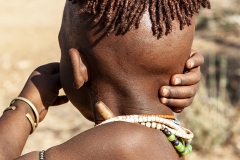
178 97
179 92
60 100
56 81
183 86
177 105
50 68
196 59
188 78
193 73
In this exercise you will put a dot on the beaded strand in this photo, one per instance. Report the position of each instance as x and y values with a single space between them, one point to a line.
184 150
156 122
167 126
41 155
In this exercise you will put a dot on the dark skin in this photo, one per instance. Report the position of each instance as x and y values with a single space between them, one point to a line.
114 69
42 89
139 92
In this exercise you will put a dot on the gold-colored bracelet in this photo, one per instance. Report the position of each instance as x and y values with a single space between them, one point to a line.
31 122
35 112
27 115
9 108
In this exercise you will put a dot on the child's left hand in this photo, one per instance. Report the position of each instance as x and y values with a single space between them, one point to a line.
184 86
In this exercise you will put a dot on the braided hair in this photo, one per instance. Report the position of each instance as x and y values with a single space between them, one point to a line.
123 15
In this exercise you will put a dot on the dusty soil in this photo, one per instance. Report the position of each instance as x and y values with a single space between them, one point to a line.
28 31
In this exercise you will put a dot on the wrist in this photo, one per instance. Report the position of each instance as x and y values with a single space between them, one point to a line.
25 105
19 109
24 108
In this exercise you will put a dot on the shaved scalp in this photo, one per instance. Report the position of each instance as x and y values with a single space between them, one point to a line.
123 15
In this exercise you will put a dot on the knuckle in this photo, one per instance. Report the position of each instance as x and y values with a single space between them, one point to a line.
202 59
186 102
193 51
192 92
174 93
199 76
38 68
189 101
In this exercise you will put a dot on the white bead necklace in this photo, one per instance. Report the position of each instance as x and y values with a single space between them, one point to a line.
156 122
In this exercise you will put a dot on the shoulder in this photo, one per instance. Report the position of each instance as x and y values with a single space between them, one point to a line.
117 140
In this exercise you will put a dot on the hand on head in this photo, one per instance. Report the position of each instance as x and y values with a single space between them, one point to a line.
42 88
181 93
183 86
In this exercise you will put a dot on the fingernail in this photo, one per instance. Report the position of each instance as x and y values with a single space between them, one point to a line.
191 64
165 92
178 110
177 81
164 100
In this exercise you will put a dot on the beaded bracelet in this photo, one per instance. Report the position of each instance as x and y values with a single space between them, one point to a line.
41 155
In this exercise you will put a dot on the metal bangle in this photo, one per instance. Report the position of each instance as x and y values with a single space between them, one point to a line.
35 112
9 108
31 122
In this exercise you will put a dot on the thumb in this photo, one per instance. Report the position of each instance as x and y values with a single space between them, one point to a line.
60 100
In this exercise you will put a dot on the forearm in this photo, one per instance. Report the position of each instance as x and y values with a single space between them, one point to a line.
14 130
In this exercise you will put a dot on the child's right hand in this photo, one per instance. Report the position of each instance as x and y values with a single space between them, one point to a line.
42 88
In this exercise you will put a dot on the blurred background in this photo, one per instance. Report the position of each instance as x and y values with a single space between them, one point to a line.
28 38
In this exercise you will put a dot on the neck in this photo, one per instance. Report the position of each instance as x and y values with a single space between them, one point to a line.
129 97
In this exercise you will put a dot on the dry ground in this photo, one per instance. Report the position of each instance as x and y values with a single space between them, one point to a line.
28 38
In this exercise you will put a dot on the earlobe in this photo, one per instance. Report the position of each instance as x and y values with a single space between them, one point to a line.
80 72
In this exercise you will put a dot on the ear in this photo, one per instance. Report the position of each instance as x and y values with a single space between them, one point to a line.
80 72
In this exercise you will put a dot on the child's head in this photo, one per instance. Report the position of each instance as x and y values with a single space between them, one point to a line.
130 61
